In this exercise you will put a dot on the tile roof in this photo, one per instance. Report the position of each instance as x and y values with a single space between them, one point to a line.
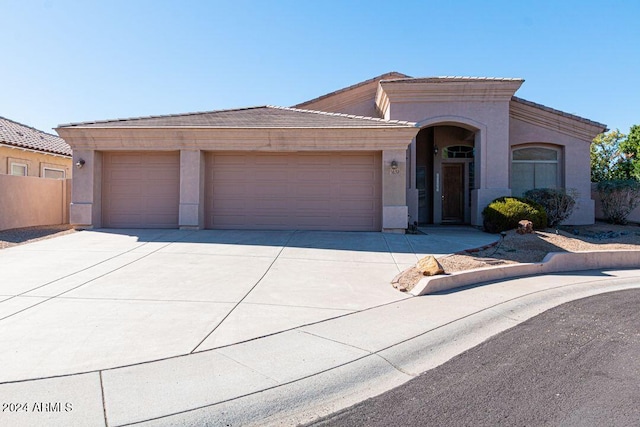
253 117
19 135
448 79
561 113
389 75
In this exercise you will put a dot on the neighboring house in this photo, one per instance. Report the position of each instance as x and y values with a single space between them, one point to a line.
26 156
26 151
373 156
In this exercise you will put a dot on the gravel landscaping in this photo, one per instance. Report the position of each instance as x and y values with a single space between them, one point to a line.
19 236
528 248
534 247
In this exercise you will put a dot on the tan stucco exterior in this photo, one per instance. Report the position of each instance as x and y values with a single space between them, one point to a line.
36 161
430 115
194 143
500 122
30 201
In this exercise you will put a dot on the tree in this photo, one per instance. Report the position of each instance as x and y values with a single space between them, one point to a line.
619 198
558 204
608 161
631 148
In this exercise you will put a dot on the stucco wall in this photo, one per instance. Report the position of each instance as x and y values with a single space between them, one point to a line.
34 161
27 201
633 217
492 147
575 165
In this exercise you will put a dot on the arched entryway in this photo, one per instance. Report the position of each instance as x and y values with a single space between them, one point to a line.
445 174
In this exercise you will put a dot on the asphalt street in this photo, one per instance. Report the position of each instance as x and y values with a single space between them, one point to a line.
575 365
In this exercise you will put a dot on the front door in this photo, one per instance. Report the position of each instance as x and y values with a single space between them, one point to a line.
453 192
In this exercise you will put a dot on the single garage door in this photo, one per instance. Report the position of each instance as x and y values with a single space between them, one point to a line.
140 189
284 191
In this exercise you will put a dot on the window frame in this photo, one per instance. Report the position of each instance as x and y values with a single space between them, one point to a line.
23 165
45 168
558 162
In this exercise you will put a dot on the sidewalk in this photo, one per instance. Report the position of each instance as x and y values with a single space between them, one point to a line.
299 374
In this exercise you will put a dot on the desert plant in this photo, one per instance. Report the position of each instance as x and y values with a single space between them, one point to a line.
504 213
619 198
558 204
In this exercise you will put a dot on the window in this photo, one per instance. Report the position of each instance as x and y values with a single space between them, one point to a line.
458 152
19 169
53 173
534 167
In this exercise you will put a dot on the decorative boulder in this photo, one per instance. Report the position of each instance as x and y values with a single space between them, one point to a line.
429 266
525 227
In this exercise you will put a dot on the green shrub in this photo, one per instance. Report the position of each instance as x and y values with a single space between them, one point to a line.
619 198
504 213
558 204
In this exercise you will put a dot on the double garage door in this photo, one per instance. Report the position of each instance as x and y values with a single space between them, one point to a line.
269 191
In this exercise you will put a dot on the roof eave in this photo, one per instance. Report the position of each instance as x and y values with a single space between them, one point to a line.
351 87
35 150
556 120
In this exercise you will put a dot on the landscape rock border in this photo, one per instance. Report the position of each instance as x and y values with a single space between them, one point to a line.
554 262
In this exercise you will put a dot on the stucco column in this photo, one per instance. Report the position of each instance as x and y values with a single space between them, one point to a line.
577 178
492 162
191 212
412 191
85 210
394 204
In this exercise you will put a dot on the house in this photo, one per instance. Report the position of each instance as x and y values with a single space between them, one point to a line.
26 151
373 156
26 156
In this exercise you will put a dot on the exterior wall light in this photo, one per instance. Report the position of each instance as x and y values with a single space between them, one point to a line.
394 168
80 163
435 150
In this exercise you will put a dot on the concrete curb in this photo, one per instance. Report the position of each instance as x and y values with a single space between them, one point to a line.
554 262
321 394
213 388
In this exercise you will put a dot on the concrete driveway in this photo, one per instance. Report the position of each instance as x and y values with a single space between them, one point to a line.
101 299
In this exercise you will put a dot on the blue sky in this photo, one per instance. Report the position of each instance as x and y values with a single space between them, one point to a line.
69 61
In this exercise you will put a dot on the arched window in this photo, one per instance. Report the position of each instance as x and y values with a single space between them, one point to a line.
457 152
534 167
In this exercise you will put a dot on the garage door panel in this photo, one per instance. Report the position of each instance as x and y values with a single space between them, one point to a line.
316 160
269 160
269 205
357 221
268 189
126 219
229 175
235 221
124 175
362 176
367 191
158 190
355 205
275 176
227 160
124 190
313 220
230 189
160 175
160 205
314 205
119 160
230 205
140 190
314 191
313 176
357 161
